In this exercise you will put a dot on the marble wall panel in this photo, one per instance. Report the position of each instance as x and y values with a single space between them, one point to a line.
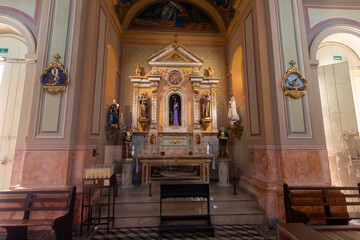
45 168
270 168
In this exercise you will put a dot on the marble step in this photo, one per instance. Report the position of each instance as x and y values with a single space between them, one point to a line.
215 219
150 217
186 205
134 208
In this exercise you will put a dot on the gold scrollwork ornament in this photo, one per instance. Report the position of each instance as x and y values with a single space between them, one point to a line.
293 83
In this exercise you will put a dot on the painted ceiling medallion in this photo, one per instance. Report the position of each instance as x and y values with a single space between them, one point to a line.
293 83
55 79
173 16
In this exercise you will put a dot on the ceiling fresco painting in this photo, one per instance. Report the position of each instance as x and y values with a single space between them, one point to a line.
173 15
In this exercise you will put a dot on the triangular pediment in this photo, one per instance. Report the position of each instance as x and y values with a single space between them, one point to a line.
175 55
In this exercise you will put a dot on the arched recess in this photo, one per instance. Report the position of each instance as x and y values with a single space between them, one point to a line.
335 60
112 71
237 88
183 127
205 6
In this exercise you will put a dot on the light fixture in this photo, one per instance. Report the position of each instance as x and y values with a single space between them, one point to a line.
2 59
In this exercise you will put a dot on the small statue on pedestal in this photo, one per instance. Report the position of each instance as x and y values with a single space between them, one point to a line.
143 103
211 71
143 120
207 104
114 113
223 137
138 70
127 142
232 114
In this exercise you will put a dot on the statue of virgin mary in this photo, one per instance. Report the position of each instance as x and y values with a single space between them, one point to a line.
232 114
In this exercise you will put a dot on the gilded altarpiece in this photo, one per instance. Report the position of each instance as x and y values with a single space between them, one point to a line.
181 110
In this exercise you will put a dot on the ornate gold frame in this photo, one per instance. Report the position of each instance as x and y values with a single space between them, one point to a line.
294 94
53 90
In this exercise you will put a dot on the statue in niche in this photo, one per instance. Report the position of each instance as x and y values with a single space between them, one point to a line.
175 110
138 70
127 142
223 137
114 113
232 114
211 71
152 139
197 139
143 103
206 105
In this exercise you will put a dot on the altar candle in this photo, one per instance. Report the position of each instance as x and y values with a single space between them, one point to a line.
87 173
91 173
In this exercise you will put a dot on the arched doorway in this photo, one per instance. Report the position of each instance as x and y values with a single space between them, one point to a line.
17 79
12 78
339 76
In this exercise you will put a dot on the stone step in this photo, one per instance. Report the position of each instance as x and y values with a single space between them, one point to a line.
134 208
150 217
215 219
185 205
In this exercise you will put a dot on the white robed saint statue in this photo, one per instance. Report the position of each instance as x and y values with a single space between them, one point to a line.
232 114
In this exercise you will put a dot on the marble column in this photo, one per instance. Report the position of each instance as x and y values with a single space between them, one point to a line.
127 173
213 108
223 166
135 106
196 111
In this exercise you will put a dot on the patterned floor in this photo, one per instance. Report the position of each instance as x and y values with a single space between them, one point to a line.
221 232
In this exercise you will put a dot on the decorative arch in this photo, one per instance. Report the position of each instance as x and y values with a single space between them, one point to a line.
208 8
328 32
24 31
237 76
182 95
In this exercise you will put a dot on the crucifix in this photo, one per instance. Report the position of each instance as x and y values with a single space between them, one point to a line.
57 57
292 63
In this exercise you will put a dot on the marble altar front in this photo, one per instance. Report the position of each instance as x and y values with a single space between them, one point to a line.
200 164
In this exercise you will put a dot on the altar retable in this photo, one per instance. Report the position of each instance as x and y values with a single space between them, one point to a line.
180 119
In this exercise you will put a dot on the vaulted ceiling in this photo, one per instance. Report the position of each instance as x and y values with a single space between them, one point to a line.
149 15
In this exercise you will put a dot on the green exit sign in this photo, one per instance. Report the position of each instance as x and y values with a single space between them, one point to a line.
337 57
4 50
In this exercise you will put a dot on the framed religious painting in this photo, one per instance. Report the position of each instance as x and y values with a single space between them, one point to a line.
54 79
293 83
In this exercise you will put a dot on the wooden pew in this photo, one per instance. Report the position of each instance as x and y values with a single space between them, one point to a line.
303 204
62 202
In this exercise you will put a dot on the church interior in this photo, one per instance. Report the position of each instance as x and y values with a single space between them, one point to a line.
131 100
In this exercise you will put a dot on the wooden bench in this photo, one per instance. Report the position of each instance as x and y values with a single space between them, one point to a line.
300 231
185 190
34 201
303 204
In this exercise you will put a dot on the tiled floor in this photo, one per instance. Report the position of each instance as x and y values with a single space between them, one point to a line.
246 231
221 232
